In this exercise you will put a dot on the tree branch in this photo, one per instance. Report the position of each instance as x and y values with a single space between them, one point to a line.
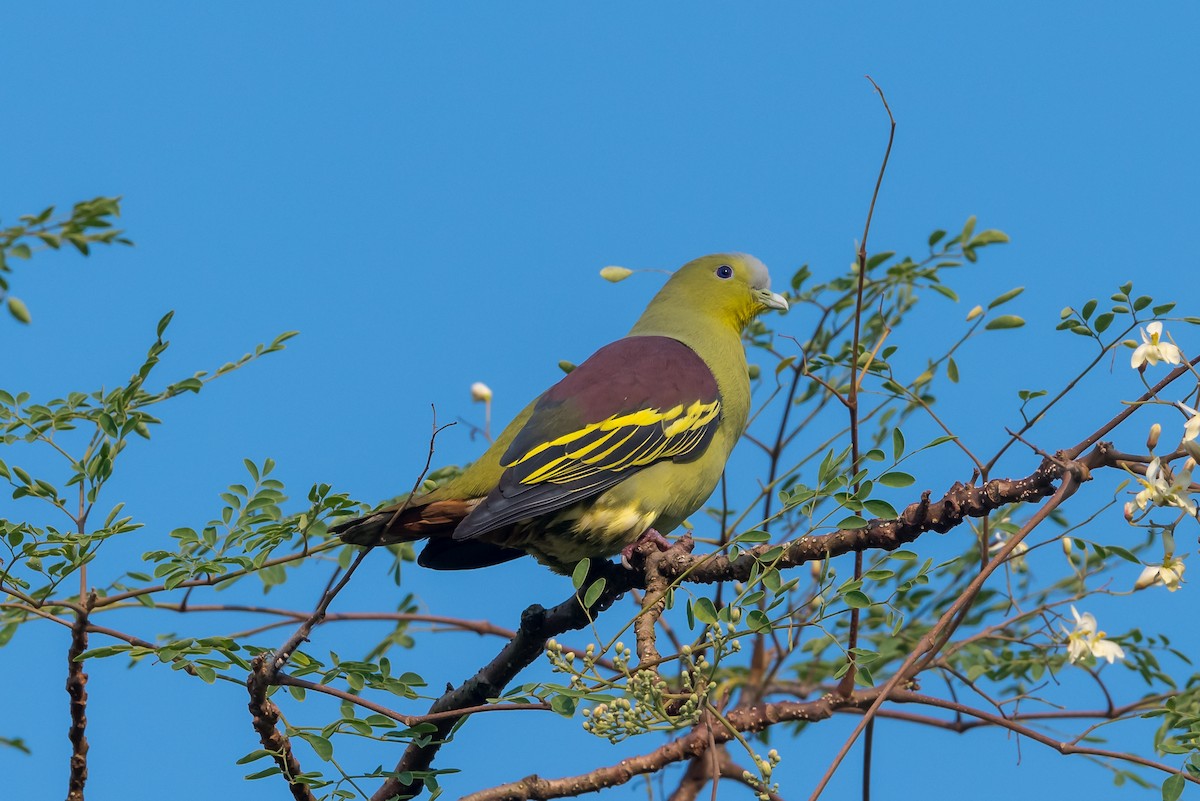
264 715
537 626
693 744
77 690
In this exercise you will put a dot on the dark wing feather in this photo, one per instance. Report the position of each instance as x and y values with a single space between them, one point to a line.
448 554
635 402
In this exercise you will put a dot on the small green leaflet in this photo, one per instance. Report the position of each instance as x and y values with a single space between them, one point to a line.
1004 321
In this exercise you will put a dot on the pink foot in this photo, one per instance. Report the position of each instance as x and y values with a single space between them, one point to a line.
649 535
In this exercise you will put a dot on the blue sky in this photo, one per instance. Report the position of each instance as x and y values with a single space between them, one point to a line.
426 192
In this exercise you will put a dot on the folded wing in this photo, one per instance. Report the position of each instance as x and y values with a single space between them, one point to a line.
638 401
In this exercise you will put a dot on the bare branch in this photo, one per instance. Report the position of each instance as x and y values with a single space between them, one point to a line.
77 690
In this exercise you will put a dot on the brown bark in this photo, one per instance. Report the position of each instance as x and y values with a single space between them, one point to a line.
264 715
77 690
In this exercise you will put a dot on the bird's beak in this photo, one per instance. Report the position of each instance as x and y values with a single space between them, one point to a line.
772 300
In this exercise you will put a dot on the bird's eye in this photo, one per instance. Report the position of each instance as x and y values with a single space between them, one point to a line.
724 271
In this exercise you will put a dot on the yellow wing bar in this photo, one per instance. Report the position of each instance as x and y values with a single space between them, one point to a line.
619 442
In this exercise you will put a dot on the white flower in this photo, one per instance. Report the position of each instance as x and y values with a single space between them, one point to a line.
1085 641
481 392
1016 558
1157 490
1169 574
1153 349
1191 431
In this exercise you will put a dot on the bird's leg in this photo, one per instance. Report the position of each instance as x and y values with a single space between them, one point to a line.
649 535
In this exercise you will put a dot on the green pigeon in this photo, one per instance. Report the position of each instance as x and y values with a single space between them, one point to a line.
628 445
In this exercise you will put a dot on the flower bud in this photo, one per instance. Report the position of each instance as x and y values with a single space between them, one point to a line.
615 274
481 392
1148 578
975 312
1066 545
1152 439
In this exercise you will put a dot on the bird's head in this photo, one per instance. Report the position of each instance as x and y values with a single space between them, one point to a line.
732 287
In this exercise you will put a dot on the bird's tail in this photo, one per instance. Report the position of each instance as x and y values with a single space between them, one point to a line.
405 523
432 520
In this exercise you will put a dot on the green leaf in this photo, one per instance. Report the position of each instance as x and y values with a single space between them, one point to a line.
1103 321
1172 788
108 425
772 580
564 705
967 230
942 289
107 650
704 610
952 370
18 310
320 745
989 237
897 444
878 259
936 237
852 522
254 755
1004 321
1123 553
1006 297
881 509
580 573
897 479
758 622
856 599
164 322
1088 308
594 592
